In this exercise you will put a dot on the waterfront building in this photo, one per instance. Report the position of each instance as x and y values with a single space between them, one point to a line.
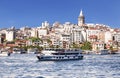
46 42
66 40
45 24
67 27
108 36
98 45
101 36
10 35
76 35
92 34
34 32
23 33
2 38
63 35
42 32
58 29
84 35
25 28
116 39
55 41
29 42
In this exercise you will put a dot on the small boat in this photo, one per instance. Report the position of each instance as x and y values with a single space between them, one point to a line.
16 50
23 52
19 51
4 53
33 51
59 55
104 52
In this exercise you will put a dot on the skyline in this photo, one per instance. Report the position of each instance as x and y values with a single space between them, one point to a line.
31 13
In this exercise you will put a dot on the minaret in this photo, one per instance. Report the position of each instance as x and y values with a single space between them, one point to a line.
81 19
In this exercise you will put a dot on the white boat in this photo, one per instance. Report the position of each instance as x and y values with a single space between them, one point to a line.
59 55
33 51
4 53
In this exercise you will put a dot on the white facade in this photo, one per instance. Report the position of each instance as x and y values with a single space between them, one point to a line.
108 36
56 42
77 36
45 24
58 30
34 32
10 35
84 35
90 32
42 32
0 38
67 27
65 37
117 37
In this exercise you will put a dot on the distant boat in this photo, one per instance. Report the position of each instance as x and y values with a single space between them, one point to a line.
19 51
88 52
59 55
103 52
23 52
33 51
114 51
4 53
16 50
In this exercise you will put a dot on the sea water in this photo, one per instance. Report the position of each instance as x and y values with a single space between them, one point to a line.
91 66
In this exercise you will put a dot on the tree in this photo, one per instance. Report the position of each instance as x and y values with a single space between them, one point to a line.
39 48
74 45
86 46
111 48
34 39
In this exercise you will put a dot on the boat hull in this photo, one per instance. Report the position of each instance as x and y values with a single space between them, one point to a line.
4 54
59 58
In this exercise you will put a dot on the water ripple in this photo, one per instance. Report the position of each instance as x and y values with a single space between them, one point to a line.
92 66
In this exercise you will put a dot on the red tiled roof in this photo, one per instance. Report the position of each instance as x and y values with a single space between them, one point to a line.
10 45
98 43
1 44
109 40
92 36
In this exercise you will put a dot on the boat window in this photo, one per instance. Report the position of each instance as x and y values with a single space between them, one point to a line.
48 57
72 53
41 57
76 50
73 56
58 53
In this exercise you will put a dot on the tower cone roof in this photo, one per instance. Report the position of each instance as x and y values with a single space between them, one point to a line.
81 13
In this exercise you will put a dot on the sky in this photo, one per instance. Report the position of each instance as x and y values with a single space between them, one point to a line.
32 13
